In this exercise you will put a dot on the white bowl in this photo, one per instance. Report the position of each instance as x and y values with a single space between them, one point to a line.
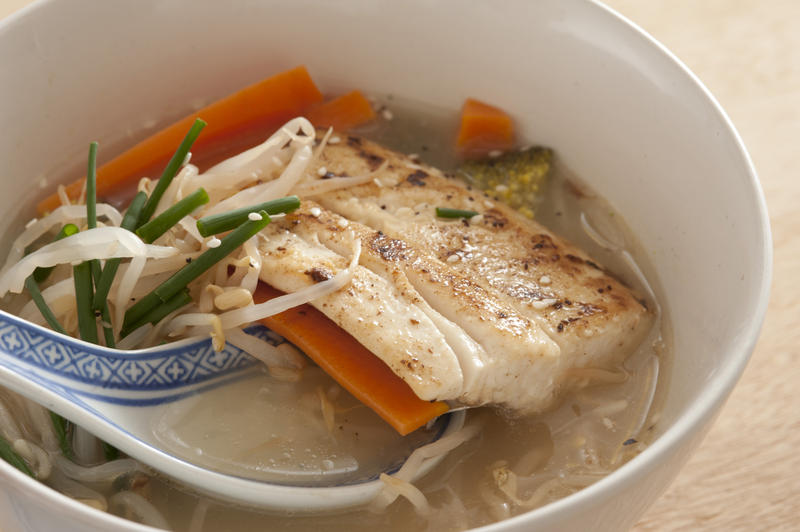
621 111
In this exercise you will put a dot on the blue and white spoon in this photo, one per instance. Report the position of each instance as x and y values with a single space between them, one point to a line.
116 395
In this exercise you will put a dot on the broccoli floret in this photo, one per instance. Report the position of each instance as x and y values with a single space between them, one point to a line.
516 177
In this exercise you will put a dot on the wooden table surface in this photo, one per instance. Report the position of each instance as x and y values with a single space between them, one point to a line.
746 474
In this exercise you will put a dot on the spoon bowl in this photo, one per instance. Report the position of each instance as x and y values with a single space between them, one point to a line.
119 396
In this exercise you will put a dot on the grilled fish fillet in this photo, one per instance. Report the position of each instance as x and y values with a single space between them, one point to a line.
496 310
495 345
381 316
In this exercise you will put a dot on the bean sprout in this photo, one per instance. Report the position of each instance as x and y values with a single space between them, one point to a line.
103 473
36 456
133 506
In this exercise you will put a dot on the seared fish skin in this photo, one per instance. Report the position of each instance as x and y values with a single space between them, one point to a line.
593 318
496 346
381 316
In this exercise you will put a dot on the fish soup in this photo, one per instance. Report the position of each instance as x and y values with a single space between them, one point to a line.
512 464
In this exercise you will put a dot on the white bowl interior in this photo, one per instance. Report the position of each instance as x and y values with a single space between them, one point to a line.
620 111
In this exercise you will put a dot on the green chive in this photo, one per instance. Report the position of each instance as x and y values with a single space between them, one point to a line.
108 330
178 281
171 170
8 454
129 222
91 188
159 225
96 270
226 221
159 311
87 324
41 274
61 427
109 451
33 289
94 265
210 257
105 313
445 212
131 219
134 316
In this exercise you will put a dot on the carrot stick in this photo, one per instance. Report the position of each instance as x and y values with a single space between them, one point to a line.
264 105
484 128
360 372
342 113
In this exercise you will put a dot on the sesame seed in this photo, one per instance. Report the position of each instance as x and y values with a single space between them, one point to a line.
453 258
387 114
501 188
254 216
488 204
315 212
377 182
342 223
31 222
494 154
334 140
321 171
413 156
544 279
214 242
478 218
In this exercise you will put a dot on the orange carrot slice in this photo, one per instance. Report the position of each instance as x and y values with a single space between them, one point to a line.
342 113
360 372
262 106
484 128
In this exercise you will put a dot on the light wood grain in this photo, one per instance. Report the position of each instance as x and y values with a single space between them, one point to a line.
746 475
10 6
